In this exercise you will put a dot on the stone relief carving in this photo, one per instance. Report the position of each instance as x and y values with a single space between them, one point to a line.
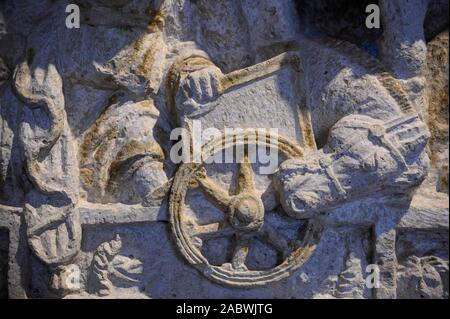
362 143
4 264
49 163
4 72
66 280
350 283
120 162
244 218
108 265
351 164
424 277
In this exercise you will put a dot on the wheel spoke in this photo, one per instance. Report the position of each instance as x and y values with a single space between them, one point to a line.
245 181
214 230
241 252
273 238
213 190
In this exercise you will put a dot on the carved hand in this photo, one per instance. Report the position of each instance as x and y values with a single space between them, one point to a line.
199 87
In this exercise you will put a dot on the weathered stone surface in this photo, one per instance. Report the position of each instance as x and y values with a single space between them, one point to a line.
94 205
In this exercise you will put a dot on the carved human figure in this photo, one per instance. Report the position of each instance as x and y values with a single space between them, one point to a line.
75 151
119 158
131 56
122 155
370 136
367 137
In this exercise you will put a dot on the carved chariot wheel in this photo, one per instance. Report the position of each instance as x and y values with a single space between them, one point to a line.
243 219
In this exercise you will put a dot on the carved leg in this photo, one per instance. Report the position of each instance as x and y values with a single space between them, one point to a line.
386 259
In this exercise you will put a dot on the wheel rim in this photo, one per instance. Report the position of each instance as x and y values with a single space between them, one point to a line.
223 274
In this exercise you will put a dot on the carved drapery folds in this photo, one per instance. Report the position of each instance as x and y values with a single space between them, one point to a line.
51 214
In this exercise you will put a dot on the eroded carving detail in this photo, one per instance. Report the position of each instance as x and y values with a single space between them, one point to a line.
363 141
108 266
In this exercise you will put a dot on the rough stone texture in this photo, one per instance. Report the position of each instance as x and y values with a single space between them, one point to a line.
4 237
93 206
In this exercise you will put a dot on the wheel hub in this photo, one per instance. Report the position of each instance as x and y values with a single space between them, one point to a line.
246 213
